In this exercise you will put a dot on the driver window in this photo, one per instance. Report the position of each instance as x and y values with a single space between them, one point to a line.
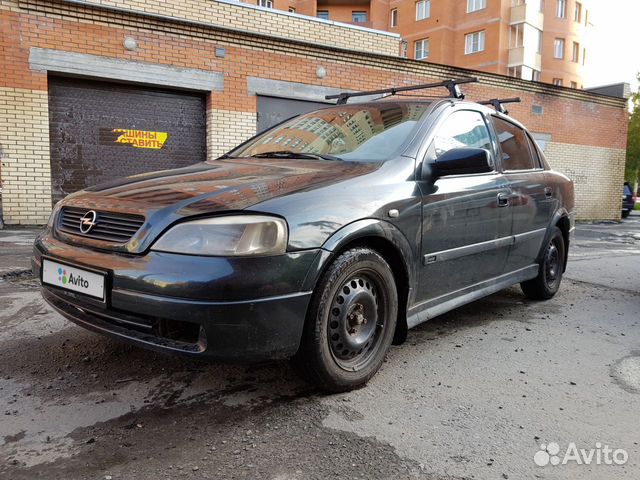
464 128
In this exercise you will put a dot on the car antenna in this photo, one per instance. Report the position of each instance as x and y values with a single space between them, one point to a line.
451 85
497 103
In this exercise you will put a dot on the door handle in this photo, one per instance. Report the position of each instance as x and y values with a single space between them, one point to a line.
503 200
548 192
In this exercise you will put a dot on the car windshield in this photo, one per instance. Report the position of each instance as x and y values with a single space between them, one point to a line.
346 132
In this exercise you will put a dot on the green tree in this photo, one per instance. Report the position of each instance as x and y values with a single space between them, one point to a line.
632 167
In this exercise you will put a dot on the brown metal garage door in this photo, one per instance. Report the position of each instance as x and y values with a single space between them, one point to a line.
273 110
101 131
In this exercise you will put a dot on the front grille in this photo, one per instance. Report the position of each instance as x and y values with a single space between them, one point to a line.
109 226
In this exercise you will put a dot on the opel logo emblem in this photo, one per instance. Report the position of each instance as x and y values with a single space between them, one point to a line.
88 221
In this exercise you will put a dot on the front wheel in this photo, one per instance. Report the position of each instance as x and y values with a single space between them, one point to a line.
547 283
350 323
626 213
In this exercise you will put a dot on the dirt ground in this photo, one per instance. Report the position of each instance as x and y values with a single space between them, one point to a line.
471 394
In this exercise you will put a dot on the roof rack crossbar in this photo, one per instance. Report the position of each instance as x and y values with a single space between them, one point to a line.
498 103
451 85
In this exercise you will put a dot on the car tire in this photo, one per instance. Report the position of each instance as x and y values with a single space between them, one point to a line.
350 322
626 214
547 283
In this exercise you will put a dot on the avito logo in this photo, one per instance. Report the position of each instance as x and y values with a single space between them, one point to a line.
72 279
62 276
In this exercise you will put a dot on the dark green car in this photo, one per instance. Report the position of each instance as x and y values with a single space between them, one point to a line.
322 239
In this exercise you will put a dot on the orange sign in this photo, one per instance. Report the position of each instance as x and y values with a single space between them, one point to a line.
141 138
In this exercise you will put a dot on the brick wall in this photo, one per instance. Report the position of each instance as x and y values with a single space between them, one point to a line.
226 129
594 124
595 173
24 155
276 23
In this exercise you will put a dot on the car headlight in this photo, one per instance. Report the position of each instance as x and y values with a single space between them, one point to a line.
236 235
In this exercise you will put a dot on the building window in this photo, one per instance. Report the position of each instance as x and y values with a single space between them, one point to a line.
557 82
539 41
423 9
515 72
358 17
324 14
577 13
474 42
265 3
535 75
574 85
575 57
475 5
584 56
558 48
292 10
516 36
394 17
561 9
421 49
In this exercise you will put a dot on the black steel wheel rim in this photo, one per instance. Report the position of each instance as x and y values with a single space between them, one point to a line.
357 320
552 263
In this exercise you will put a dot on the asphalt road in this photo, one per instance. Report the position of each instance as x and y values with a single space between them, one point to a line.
471 394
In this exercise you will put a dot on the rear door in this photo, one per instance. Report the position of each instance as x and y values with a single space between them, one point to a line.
531 199
465 232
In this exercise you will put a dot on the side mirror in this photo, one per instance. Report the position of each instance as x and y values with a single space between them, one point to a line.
460 161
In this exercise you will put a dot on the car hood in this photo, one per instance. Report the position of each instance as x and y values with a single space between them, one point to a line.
206 188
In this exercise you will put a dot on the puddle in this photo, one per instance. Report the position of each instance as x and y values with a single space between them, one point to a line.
626 372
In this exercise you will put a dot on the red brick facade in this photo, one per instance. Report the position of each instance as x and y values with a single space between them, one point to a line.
571 117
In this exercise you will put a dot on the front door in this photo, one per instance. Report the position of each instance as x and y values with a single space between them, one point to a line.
465 230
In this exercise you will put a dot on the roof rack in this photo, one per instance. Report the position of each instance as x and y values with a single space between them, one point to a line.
451 85
497 103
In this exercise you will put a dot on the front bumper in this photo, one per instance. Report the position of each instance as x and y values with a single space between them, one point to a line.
233 309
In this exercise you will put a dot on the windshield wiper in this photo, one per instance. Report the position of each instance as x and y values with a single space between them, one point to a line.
290 154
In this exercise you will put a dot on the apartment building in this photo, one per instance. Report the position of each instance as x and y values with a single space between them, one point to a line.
539 40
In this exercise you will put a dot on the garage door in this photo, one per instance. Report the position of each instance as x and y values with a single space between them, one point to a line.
101 131
273 110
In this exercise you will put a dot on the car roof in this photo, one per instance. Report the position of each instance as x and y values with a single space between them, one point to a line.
437 104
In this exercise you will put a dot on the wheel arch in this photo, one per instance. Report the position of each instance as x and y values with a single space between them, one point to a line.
564 224
390 243
561 219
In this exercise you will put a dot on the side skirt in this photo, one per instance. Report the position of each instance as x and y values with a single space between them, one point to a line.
432 308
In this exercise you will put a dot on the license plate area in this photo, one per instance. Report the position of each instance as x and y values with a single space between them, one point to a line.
75 279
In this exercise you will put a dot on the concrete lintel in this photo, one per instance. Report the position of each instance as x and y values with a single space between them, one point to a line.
298 91
94 66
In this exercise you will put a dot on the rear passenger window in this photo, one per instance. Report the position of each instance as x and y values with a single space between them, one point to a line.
516 153
464 128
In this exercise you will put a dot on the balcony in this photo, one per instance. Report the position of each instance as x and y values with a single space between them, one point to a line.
525 56
527 13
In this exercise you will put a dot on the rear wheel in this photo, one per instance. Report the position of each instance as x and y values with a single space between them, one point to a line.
547 283
350 323
626 213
